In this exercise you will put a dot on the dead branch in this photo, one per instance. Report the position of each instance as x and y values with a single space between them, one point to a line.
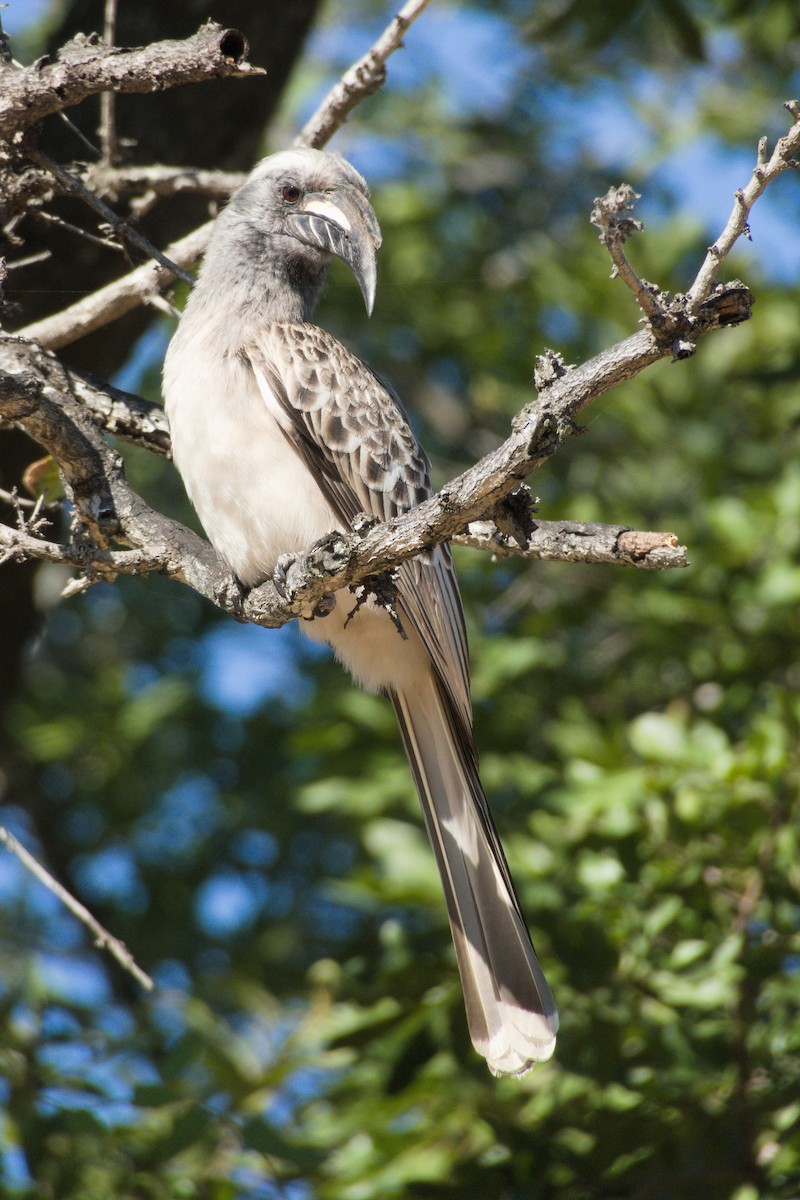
86 67
38 394
361 80
102 938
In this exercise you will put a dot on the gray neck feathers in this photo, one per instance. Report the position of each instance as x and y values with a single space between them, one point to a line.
251 277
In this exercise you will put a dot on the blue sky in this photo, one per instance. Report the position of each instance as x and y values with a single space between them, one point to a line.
18 14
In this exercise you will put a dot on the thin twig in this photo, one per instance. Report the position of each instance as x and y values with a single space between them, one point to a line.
102 938
108 129
79 134
71 183
29 261
15 501
765 170
361 80
107 243
118 298
611 215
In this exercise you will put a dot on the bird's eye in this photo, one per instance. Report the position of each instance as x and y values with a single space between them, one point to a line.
291 193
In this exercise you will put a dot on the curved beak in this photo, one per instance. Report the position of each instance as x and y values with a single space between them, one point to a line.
342 222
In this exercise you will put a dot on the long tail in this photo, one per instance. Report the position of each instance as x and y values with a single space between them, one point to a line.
510 1011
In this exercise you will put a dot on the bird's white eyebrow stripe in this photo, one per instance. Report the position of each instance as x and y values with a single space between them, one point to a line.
324 208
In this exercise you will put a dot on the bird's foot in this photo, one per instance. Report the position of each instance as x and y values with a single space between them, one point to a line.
382 590
230 593
280 577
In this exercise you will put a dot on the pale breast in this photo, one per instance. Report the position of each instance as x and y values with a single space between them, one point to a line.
253 494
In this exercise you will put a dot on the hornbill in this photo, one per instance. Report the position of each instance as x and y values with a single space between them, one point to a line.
282 436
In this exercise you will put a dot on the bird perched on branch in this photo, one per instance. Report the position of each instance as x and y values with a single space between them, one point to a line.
282 436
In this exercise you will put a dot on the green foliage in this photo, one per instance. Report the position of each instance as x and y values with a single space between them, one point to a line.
639 738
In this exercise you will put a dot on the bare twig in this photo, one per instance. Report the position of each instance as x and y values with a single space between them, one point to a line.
108 129
579 541
117 298
102 938
85 67
765 170
15 501
121 228
361 80
79 134
29 260
611 215
107 243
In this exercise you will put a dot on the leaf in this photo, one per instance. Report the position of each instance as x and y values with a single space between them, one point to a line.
42 478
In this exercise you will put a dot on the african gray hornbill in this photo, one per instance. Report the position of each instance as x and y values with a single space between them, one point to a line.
281 436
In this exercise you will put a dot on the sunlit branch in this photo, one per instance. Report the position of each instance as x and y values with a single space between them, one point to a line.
766 169
359 81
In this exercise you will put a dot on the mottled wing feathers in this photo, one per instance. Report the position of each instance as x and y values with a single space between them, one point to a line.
354 437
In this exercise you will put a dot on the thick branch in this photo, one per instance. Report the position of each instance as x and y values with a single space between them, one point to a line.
37 393
85 67
539 430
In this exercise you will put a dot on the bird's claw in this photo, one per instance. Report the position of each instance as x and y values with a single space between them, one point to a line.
280 577
230 593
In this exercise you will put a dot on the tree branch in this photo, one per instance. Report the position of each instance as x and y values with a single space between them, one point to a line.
579 542
40 395
85 67
127 293
118 298
111 512
538 432
765 170
102 938
120 228
108 125
361 80
611 215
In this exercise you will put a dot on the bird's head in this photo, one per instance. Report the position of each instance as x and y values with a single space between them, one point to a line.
321 203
